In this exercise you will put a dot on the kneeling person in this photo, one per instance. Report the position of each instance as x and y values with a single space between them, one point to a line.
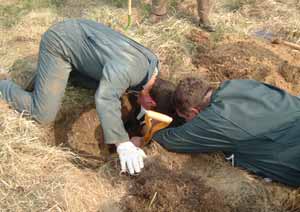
96 52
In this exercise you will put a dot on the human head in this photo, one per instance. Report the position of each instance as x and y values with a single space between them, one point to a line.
162 93
191 96
158 96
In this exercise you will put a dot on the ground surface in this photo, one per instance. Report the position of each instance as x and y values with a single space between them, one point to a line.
65 167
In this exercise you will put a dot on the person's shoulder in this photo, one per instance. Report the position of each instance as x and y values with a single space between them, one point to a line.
238 85
241 82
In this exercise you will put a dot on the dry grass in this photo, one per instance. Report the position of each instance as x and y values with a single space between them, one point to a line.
37 177
279 17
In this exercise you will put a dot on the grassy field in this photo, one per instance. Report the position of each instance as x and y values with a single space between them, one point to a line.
39 173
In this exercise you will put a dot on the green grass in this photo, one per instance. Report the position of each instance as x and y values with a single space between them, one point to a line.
119 3
235 5
10 14
145 9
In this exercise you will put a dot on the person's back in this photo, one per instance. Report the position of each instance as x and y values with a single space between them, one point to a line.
265 127
90 46
255 107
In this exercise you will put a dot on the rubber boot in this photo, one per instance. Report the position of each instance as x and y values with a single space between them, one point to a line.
203 12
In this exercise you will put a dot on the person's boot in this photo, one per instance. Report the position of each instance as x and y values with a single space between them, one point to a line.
206 26
4 74
203 12
154 19
158 11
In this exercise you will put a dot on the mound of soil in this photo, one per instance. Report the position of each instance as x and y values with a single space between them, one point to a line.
248 59
160 188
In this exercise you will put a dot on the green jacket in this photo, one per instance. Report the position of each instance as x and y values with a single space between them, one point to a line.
258 123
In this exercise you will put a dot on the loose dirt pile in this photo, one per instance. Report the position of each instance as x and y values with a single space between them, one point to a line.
248 59
160 188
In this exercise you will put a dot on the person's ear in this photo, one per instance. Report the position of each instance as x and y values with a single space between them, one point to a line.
192 113
189 114
146 101
151 82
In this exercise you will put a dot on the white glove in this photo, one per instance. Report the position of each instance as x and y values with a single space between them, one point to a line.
131 157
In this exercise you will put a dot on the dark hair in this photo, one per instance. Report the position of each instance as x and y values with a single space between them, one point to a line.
162 93
190 92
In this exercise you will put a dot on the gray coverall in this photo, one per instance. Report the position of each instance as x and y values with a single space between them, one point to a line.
95 51
256 123
159 7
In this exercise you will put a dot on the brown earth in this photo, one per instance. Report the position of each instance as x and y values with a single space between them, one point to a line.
160 188
174 182
170 182
248 59
180 182
80 130
77 127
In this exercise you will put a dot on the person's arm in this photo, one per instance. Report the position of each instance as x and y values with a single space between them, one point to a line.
198 135
112 85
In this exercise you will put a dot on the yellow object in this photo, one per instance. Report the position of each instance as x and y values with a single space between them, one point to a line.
129 15
129 7
155 121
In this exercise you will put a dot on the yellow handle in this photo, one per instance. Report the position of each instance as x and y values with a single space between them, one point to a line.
163 122
129 7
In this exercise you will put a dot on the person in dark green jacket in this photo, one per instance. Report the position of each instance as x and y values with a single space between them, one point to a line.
256 123
97 52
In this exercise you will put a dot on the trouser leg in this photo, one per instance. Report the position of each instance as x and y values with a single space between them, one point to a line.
49 86
76 79
159 7
15 96
204 7
203 11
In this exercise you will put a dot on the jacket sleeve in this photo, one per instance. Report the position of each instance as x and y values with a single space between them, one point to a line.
196 136
112 85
